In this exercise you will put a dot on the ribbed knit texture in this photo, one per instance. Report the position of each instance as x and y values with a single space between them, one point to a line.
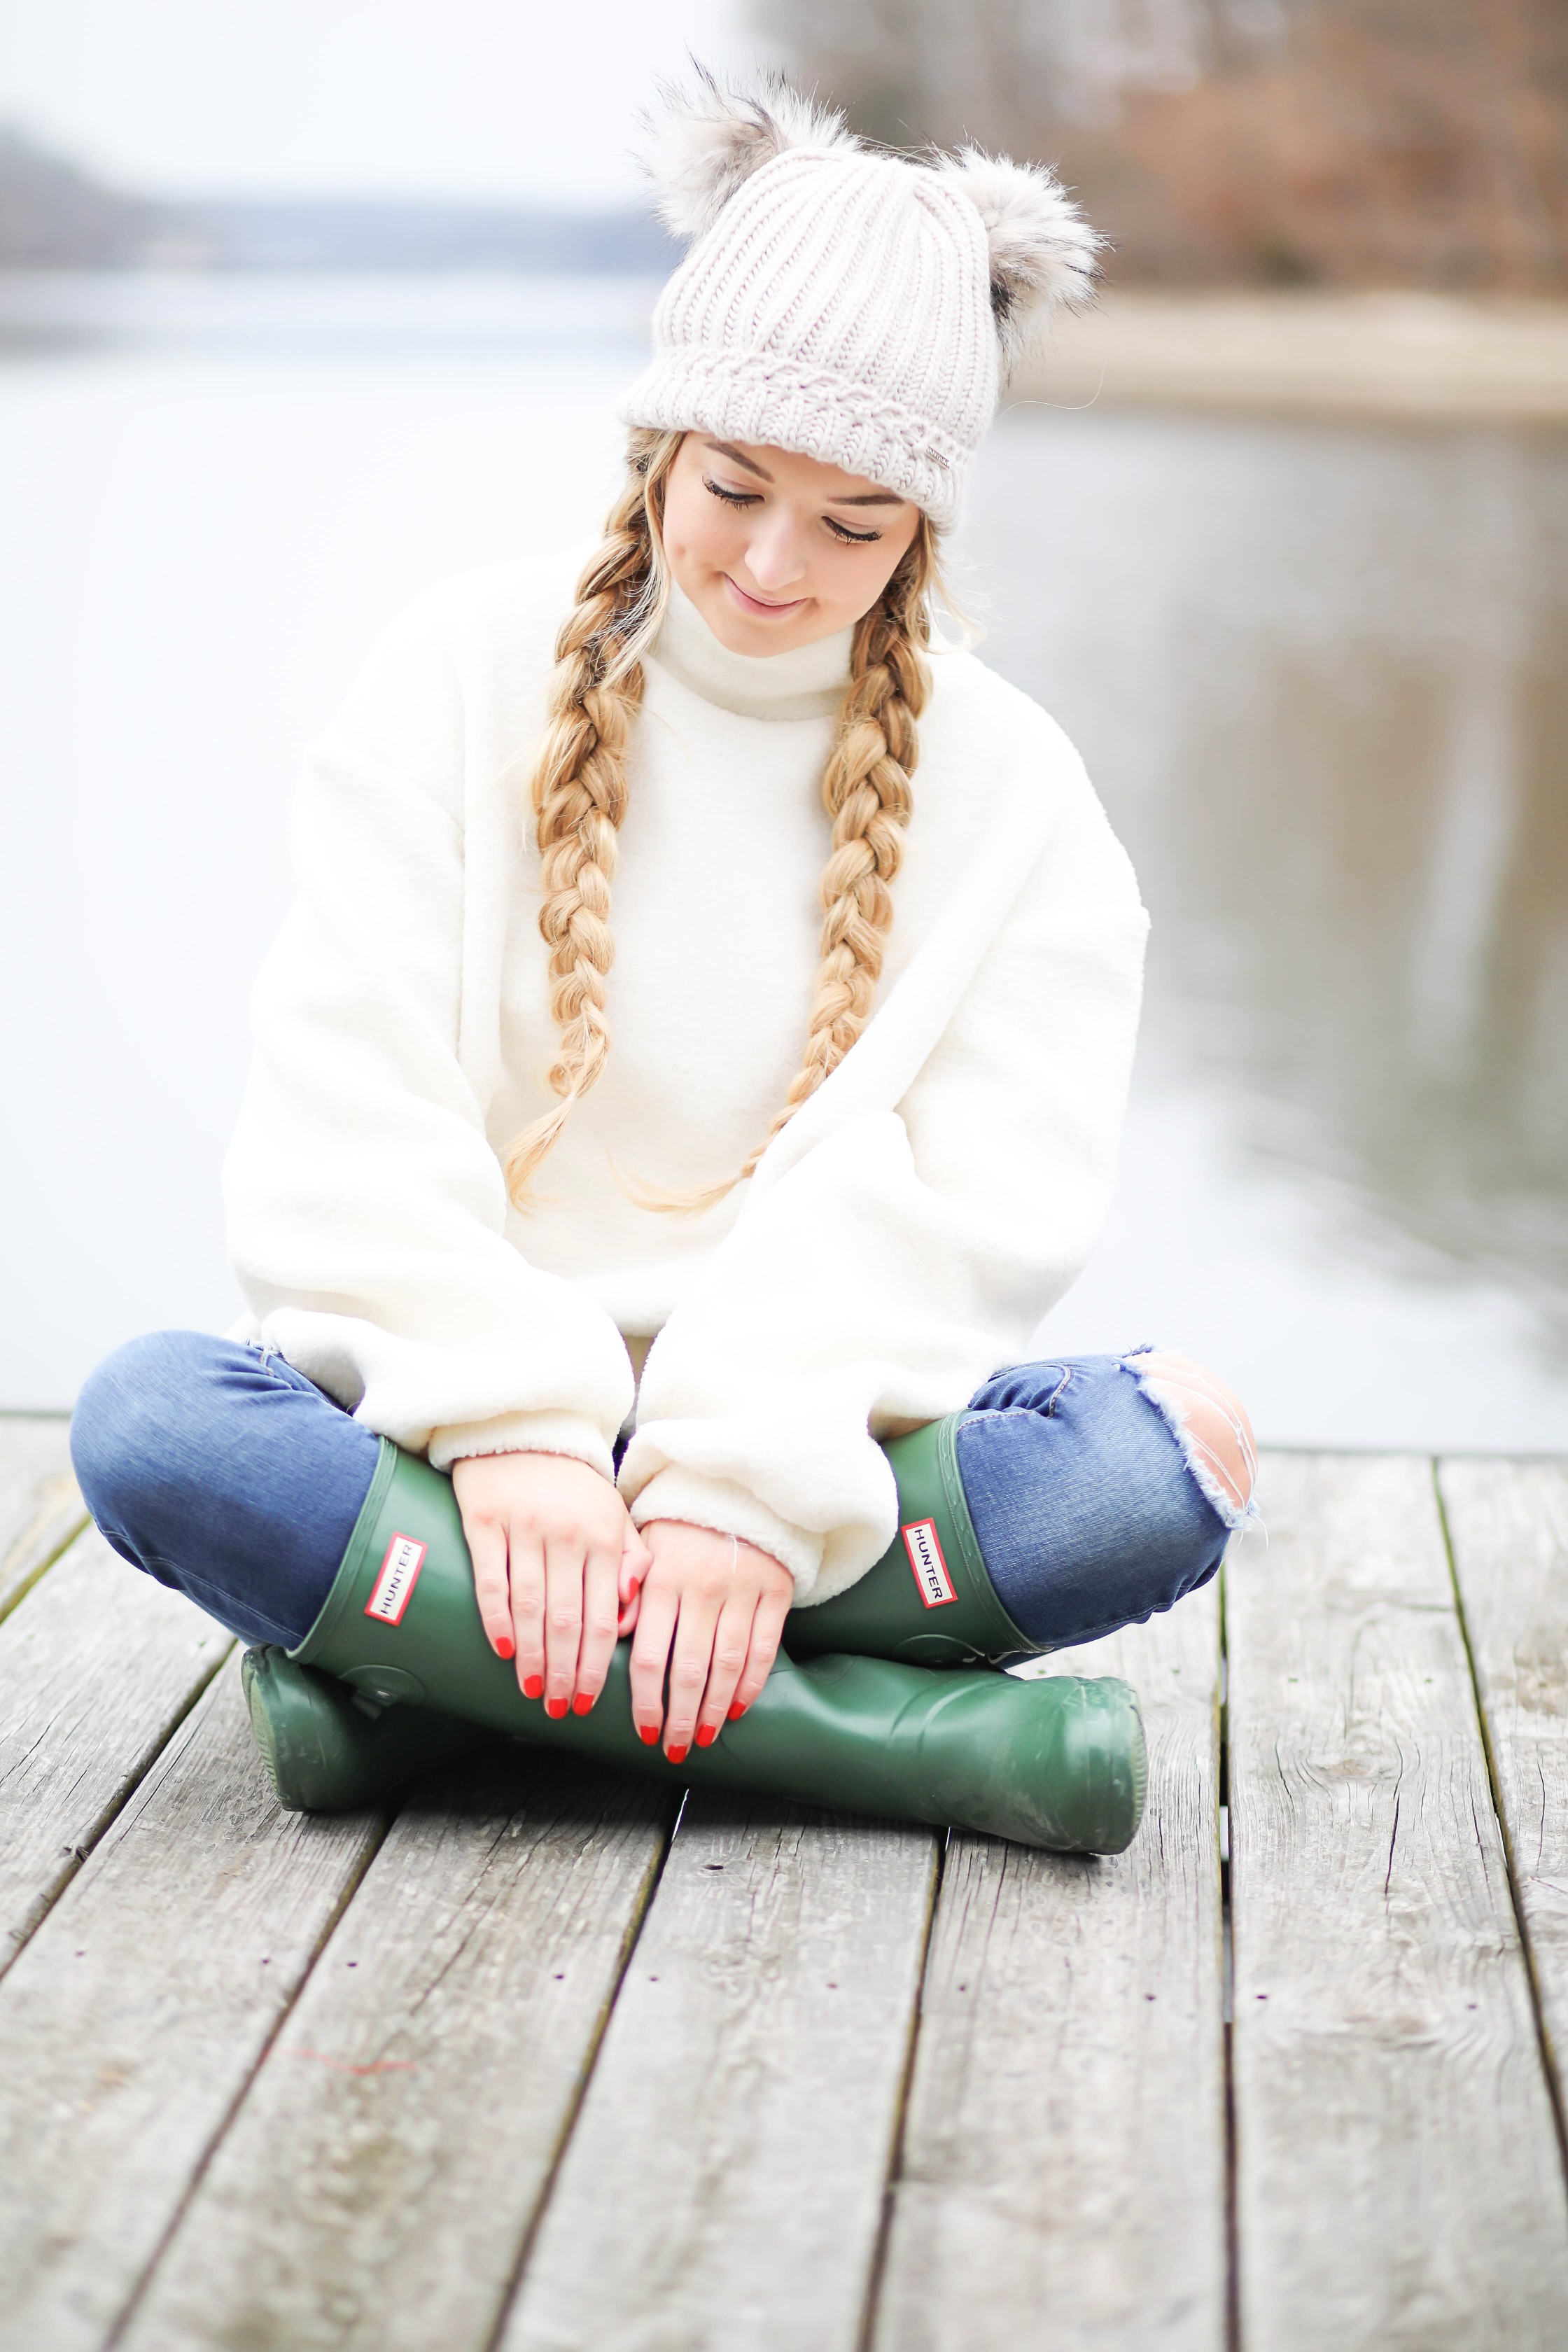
839 306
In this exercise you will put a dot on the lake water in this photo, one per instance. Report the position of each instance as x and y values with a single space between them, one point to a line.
1316 672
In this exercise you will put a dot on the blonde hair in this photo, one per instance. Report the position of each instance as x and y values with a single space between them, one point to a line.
579 795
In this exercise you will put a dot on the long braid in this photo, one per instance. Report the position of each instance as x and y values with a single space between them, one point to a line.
580 786
865 792
580 802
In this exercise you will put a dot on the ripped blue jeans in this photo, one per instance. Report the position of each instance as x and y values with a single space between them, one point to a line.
225 1474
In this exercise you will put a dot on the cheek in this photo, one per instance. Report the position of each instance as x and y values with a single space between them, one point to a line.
696 528
866 574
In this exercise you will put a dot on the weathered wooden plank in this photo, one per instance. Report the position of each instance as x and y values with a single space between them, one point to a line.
1508 1523
1062 2180
98 1664
1397 2174
134 2017
724 2182
377 2184
40 1507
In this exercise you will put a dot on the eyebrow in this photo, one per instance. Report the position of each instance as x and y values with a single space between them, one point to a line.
863 498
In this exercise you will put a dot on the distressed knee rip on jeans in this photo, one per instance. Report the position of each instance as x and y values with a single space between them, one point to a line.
1209 1423
1087 1508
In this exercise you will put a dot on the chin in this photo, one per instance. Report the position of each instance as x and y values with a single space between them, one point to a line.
737 635
741 632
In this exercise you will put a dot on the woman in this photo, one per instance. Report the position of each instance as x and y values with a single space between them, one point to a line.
773 1084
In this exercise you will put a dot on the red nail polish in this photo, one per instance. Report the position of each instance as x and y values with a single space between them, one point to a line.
647 1733
505 1646
580 1704
736 1710
534 1687
707 1733
675 1755
555 1708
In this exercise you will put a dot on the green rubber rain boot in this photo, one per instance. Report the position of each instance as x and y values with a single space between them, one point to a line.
325 1756
929 1600
1058 1763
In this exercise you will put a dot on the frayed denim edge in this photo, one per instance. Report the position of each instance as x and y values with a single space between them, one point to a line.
1229 1515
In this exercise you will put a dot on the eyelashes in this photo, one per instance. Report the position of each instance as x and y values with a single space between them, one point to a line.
841 530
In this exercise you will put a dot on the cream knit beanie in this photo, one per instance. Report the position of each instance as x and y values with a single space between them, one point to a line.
842 302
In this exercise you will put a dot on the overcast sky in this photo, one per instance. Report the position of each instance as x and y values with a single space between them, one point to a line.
526 99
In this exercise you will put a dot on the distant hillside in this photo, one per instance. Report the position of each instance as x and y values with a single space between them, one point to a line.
56 216
369 236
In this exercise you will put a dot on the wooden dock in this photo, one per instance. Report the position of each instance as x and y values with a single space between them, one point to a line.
546 2062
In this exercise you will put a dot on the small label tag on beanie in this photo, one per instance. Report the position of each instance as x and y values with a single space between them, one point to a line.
925 1548
399 1574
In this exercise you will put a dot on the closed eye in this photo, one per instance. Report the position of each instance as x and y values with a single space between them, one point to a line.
841 531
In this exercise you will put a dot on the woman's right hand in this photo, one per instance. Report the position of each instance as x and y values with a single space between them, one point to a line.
557 1565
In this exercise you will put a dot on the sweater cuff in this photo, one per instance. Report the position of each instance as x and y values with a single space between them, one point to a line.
729 1510
523 1432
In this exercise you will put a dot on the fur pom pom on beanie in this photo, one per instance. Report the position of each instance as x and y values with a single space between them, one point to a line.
848 303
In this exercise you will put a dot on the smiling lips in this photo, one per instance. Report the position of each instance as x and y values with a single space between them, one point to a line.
755 603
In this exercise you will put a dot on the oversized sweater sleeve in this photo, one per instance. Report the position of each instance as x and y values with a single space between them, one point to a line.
910 1252
366 1204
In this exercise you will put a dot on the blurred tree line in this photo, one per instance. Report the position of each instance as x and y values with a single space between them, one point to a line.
1350 142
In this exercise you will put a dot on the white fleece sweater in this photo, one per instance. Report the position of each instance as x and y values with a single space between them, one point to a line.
902 1236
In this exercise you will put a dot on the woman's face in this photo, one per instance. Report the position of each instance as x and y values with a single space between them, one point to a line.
777 550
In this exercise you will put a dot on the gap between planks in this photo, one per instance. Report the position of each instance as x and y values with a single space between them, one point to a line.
1398 2181
877 2272
724 2182
1507 1524
99 1666
1064 2157
40 1509
385 2165
134 2018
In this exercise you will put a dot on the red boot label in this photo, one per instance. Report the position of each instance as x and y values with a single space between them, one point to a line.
924 1549
399 1574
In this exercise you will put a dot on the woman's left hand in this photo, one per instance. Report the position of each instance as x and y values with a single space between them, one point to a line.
712 1610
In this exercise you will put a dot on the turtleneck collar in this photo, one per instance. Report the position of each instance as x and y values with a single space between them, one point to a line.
808 683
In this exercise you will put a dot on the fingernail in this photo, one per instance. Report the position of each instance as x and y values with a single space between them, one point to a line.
505 1646
580 1704
647 1733
707 1733
736 1710
675 1755
555 1708
534 1687
635 1587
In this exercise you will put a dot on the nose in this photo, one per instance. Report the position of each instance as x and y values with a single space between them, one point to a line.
775 556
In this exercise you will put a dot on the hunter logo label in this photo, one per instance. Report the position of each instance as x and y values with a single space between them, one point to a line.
399 1573
924 1549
